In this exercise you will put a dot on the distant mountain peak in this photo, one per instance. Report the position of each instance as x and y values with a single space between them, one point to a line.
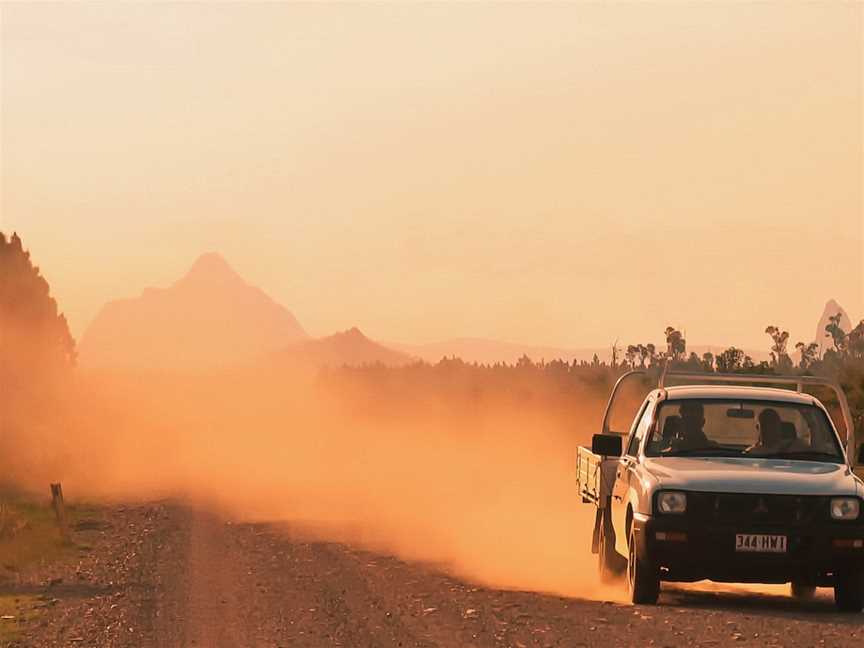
211 317
349 347
832 304
212 266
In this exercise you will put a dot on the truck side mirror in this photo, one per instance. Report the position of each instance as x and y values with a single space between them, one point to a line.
608 445
861 454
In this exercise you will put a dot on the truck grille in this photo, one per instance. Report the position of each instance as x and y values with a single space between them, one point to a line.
754 509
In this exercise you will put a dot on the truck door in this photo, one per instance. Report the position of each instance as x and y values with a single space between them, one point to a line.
626 477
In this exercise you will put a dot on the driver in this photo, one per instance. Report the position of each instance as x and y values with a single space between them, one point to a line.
692 435
770 434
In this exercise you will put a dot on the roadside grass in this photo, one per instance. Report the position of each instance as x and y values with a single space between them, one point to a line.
15 611
30 537
29 533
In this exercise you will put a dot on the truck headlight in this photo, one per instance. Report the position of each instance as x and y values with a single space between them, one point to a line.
671 502
845 508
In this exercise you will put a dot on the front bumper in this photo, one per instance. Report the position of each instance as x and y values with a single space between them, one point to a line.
708 552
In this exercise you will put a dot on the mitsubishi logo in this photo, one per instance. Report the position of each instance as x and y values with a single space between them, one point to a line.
761 506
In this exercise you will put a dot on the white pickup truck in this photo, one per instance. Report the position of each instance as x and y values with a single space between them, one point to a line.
728 482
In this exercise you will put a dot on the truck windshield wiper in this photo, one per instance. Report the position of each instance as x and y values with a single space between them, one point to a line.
707 450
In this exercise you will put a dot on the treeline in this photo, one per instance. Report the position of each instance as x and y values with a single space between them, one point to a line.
34 335
843 348
36 348
37 355
842 359
553 382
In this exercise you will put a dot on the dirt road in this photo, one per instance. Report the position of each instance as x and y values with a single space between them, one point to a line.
164 575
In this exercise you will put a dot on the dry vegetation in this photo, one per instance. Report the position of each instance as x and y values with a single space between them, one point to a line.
462 466
30 539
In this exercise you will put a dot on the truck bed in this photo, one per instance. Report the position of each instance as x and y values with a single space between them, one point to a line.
595 476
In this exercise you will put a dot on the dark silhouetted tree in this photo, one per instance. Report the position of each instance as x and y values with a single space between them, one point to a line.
836 333
730 360
524 362
676 345
37 353
34 336
855 341
779 358
651 354
643 355
631 354
693 363
808 353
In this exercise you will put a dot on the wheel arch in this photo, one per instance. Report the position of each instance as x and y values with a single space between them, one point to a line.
628 521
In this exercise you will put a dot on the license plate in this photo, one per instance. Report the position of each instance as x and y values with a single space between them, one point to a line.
760 543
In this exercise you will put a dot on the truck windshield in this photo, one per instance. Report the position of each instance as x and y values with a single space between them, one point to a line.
727 428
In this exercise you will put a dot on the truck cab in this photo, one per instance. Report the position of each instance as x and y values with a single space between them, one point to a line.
731 483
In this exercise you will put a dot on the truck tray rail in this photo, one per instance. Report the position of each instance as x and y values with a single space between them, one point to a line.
595 476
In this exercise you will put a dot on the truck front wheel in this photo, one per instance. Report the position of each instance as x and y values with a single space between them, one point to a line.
849 590
643 578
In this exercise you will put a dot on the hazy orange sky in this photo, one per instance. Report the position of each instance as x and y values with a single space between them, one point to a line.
560 174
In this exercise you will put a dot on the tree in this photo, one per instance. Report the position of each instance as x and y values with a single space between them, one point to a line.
836 333
37 353
808 354
631 353
643 354
708 361
730 360
855 341
694 362
676 345
524 362
779 358
34 336
651 354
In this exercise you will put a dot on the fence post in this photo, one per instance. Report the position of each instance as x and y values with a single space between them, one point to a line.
59 510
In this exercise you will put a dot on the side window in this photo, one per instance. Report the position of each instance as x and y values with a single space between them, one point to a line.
640 431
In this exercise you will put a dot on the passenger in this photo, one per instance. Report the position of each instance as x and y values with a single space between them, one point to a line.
692 420
788 432
770 428
790 440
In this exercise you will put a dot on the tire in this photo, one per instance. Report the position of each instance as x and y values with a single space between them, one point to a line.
849 591
606 567
643 578
802 592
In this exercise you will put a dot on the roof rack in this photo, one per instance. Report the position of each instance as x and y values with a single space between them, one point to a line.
767 379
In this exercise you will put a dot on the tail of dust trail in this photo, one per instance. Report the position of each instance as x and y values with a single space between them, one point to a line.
482 486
